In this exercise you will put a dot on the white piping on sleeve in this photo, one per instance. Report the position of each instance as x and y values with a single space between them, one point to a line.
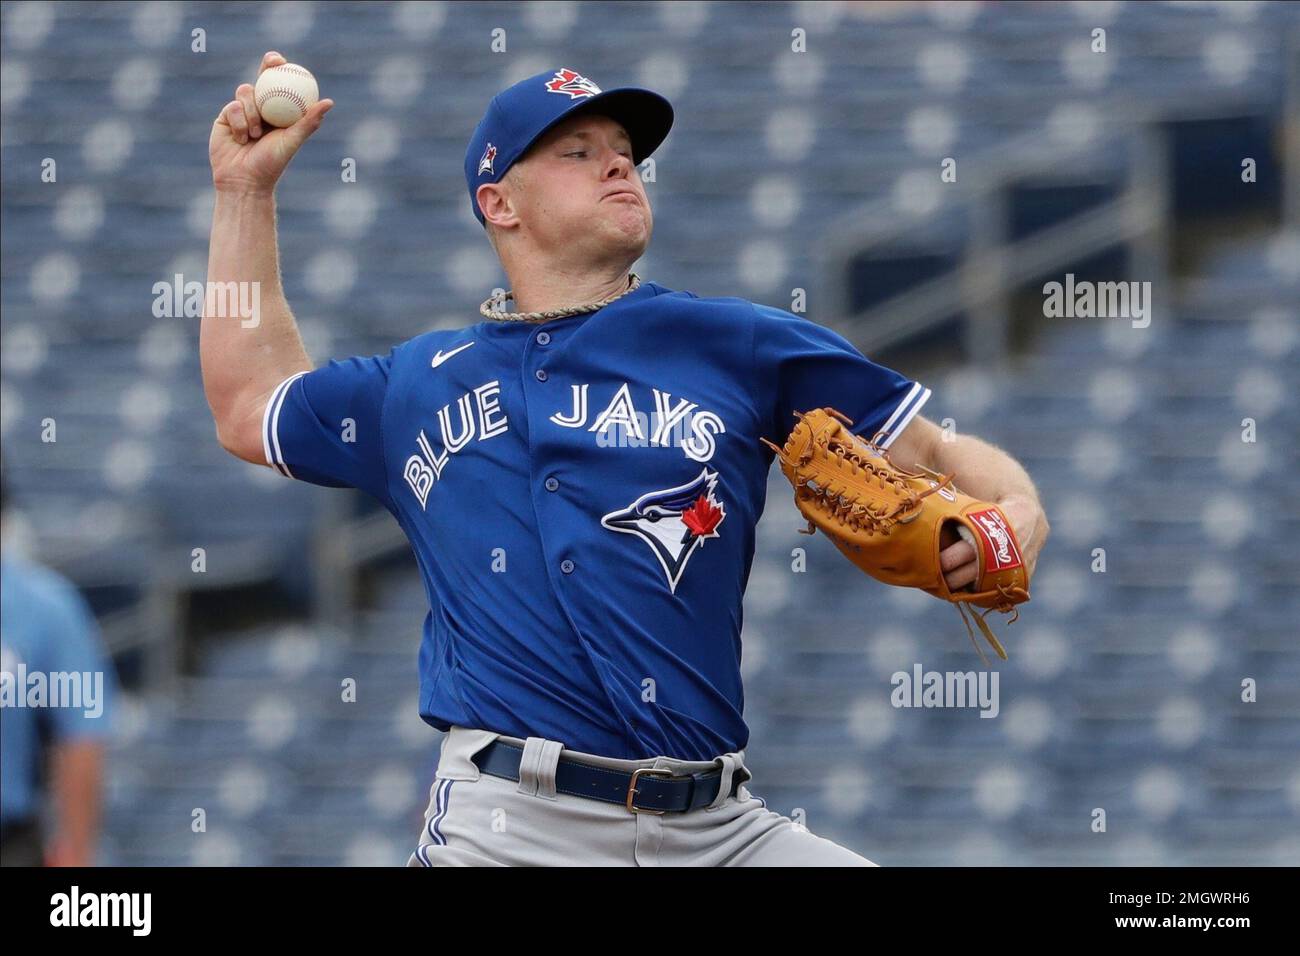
908 413
271 423
898 409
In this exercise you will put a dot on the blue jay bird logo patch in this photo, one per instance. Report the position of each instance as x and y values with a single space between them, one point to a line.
674 522
575 85
487 159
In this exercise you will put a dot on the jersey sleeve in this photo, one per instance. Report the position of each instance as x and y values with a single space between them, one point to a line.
802 365
75 647
324 426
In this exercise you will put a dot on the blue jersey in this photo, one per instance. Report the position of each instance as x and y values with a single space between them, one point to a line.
581 496
49 647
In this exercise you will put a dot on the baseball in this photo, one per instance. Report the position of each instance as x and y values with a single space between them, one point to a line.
285 93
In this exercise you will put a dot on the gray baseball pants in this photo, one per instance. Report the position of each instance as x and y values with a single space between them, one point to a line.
476 819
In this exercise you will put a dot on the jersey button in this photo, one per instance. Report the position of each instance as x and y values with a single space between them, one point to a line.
566 566
541 375
552 484
543 338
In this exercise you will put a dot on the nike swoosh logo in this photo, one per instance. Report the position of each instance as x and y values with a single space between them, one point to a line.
439 357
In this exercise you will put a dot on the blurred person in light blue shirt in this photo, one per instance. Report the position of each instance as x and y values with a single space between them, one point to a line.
56 685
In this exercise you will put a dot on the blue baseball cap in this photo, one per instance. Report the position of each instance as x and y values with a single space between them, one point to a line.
517 117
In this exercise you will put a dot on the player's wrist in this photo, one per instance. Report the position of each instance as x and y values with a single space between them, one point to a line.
1020 498
241 191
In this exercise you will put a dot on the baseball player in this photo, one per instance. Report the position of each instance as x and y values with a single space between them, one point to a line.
580 480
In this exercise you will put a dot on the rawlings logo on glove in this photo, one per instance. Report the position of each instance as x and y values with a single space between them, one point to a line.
893 523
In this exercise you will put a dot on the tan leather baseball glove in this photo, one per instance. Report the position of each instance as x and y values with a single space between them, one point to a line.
892 524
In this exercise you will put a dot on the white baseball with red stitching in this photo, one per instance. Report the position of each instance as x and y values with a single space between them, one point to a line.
285 93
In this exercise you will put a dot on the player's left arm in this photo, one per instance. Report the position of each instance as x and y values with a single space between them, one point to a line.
983 471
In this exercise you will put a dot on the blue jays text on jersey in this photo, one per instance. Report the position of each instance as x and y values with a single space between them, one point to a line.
581 497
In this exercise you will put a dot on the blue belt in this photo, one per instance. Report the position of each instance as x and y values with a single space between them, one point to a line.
645 790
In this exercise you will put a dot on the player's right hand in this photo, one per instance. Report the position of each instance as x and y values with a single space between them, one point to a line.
246 154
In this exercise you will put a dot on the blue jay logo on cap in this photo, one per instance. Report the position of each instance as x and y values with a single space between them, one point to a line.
485 163
574 84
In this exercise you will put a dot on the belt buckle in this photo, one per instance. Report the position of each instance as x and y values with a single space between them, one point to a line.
631 787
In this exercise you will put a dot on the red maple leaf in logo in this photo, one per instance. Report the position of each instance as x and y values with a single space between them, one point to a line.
702 517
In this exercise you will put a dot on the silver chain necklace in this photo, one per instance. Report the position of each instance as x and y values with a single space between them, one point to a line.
489 307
